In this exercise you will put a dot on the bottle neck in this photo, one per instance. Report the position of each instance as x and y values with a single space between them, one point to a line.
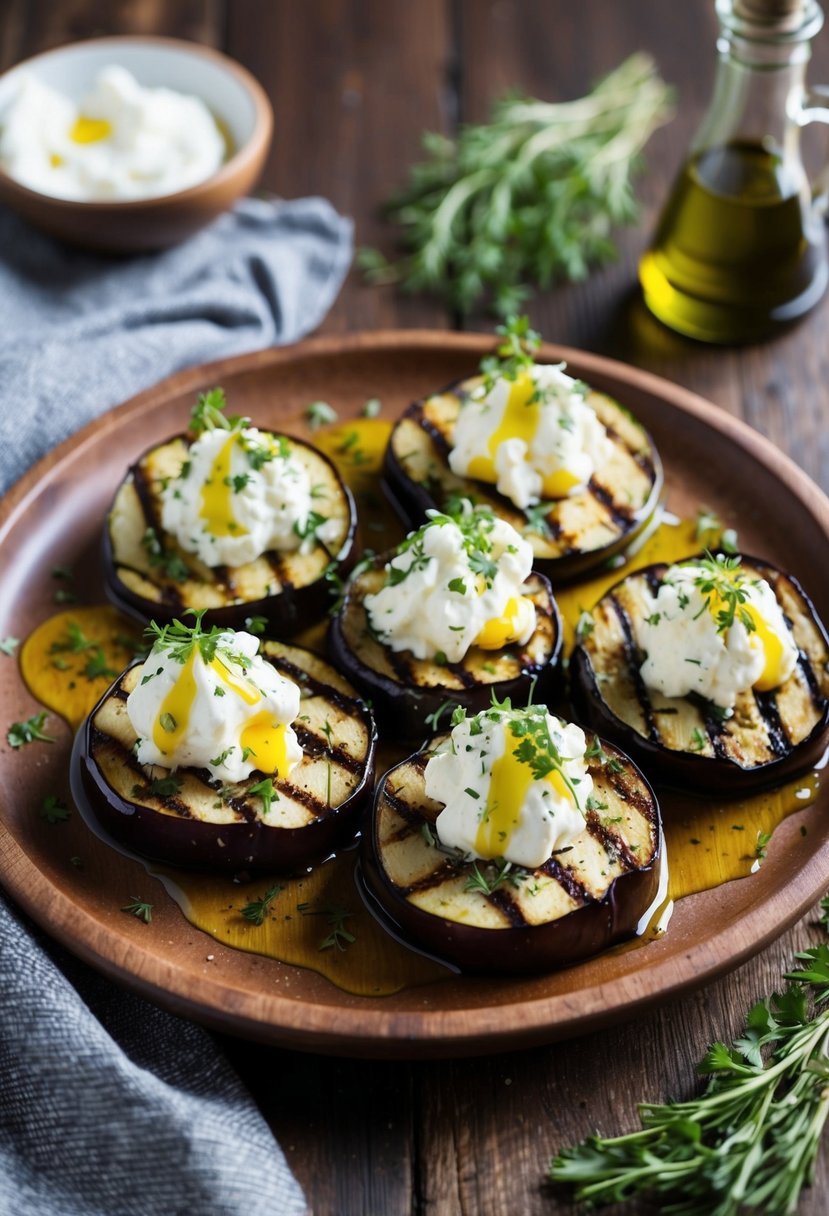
760 82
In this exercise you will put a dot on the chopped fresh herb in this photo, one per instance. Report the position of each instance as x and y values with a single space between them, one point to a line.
457 584
179 640
428 834
65 595
319 413
698 740
138 908
725 591
763 840
97 667
267 791
595 804
538 518
167 722
310 526
208 414
169 564
159 787
335 919
30 731
74 641
494 874
256 624
54 809
372 407
9 645
258 909
584 626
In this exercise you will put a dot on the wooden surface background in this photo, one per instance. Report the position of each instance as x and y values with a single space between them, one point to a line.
353 84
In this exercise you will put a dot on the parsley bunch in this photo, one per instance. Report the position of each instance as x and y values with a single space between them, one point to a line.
530 197
749 1142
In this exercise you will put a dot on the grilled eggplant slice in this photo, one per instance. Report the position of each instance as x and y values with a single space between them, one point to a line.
578 903
150 577
575 534
406 691
206 825
771 735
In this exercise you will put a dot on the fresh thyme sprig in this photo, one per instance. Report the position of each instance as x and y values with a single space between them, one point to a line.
139 909
494 874
530 197
335 918
749 1141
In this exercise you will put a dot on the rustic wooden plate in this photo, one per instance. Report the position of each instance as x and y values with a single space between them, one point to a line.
54 516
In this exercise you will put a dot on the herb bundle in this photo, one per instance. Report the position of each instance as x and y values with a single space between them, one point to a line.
530 197
749 1142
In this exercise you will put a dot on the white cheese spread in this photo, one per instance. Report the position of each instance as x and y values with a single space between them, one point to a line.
120 142
457 582
240 493
712 630
534 437
514 785
209 700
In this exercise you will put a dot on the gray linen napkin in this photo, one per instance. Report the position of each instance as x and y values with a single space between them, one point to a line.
78 334
108 1106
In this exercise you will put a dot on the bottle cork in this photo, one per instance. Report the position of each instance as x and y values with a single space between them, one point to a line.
784 14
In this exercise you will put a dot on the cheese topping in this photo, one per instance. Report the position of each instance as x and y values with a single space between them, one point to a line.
455 583
534 437
514 785
712 630
120 142
240 493
209 700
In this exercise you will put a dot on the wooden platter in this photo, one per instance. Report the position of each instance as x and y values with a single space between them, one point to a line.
53 517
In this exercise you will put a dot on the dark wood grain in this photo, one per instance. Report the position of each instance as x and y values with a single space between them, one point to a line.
352 85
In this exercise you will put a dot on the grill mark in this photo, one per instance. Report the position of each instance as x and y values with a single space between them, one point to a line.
349 706
633 668
504 901
316 807
621 515
614 845
434 432
405 810
275 561
566 879
779 741
443 872
170 593
640 455
314 747
654 576
100 741
715 729
812 682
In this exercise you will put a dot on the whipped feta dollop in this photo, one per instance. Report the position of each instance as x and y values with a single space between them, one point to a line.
712 630
209 700
456 582
120 142
535 437
240 493
497 803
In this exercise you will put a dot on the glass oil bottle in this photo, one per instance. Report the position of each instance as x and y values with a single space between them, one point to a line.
740 250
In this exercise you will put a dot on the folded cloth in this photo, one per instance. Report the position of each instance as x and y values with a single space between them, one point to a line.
108 1106
78 333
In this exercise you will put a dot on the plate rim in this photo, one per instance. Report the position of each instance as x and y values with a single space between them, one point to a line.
353 1028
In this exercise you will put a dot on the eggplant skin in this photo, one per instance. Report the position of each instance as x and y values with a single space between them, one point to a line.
229 596
405 691
510 945
772 736
579 533
168 828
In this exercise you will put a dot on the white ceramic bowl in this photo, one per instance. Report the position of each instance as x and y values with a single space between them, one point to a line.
230 92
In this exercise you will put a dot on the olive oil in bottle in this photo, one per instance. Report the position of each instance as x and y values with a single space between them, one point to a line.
737 252
740 249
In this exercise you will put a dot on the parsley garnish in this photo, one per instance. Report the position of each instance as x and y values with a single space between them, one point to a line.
180 640
30 731
258 909
9 645
138 908
725 591
319 413
159 787
267 791
97 667
54 809
169 564
335 919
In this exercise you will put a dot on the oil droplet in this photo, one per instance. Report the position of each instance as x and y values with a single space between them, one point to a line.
68 661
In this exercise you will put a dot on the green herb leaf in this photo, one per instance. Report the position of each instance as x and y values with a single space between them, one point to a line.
319 413
527 198
258 909
138 908
54 809
30 731
9 645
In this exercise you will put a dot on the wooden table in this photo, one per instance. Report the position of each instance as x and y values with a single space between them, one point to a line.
353 84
